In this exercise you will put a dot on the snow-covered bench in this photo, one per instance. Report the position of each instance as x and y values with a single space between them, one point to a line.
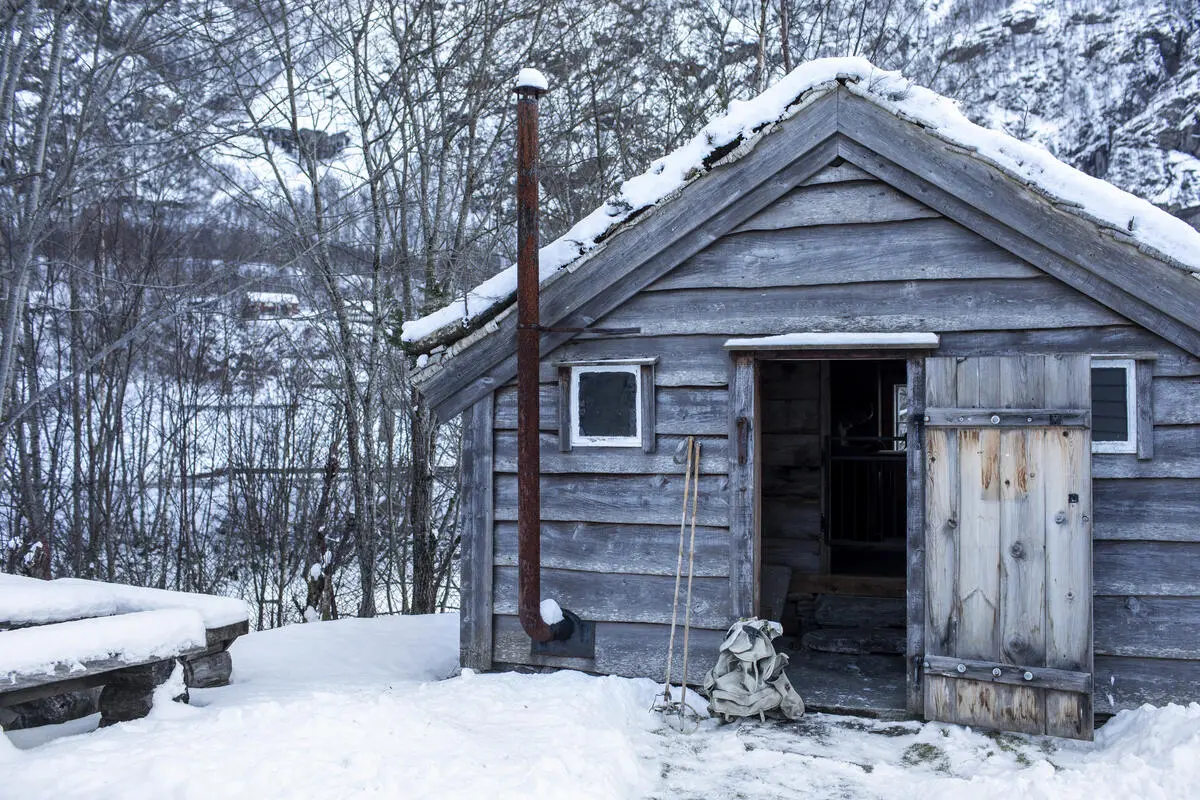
69 635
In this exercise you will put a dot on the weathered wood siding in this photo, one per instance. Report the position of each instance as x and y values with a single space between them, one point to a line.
843 255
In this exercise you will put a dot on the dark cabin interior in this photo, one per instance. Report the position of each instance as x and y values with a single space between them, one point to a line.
833 526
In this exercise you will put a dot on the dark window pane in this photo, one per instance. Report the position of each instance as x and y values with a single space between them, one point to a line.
1110 409
608 404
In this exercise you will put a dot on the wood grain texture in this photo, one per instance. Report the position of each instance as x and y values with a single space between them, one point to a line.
648 402
1122 683
914 649
631 650
1159 568
1146 626
1176 400
475 525
1108 339
1128 465
1038 677
840 173
1011 584
838 254
743 486
941 539
1121 510
634 549
669 459
1066 468
614 597
843 203
941 305
635 499
683 360
687 411
1023 558
563 412
1161 297
979 543
979 586
1144 377
208 671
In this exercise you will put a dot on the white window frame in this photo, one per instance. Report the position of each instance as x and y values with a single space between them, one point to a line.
1129 445
577 437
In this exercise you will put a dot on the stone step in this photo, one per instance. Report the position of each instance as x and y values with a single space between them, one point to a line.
854 611
855 641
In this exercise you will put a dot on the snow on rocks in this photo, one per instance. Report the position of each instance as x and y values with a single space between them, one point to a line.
744 123
28 601
138 637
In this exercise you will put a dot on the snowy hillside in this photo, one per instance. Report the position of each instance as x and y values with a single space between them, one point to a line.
1110 86
360 708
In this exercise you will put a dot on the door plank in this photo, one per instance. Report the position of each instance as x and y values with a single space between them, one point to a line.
1067 470
941 530
979 535
979 553
1022 540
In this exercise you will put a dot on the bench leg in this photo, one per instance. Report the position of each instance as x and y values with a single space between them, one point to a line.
129 693
207 671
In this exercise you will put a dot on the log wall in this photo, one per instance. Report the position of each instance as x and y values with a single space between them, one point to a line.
838 255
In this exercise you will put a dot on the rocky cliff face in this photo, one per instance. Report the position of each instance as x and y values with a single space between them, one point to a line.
1110 86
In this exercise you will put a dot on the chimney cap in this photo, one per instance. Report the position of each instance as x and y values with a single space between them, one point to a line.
529 78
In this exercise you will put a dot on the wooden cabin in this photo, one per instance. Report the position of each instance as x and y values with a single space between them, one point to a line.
270 305
948 418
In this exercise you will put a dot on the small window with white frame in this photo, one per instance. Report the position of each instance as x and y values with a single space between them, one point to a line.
608 404
1114 405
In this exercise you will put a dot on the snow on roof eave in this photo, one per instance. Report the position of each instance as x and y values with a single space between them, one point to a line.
1153 231
1082 200
453 327
834 340
490 320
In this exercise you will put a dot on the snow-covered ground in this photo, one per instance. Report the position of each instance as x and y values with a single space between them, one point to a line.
363 708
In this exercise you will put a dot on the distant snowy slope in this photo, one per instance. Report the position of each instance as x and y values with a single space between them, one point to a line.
1109 86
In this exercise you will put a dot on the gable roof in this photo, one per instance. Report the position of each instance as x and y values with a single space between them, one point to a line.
1108 244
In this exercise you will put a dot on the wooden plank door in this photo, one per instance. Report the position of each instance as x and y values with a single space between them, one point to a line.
1008 561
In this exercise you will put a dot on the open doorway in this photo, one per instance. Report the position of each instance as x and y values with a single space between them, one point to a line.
833 524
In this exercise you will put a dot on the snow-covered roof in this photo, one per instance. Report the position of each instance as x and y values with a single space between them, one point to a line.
1154 231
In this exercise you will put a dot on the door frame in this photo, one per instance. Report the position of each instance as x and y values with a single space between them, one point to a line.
745 496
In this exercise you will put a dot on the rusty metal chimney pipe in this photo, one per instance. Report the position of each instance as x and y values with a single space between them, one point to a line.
529 512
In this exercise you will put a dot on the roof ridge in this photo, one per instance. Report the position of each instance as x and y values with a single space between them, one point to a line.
1130 219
